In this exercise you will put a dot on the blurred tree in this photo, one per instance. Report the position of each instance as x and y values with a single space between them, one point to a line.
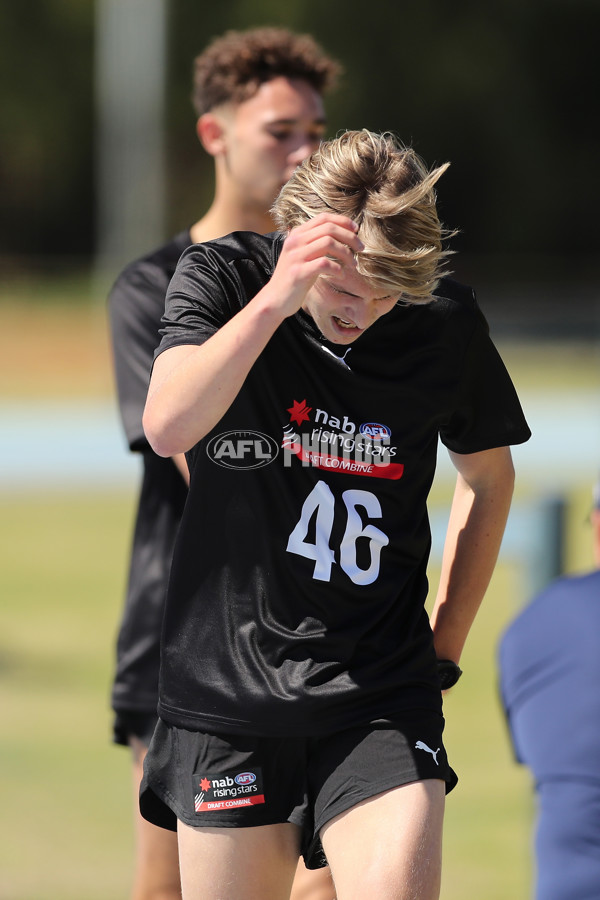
46 177
506 91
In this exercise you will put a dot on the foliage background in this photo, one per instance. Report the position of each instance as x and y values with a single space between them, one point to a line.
505 90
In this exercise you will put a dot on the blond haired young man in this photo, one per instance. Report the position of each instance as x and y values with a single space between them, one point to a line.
258 99
307 376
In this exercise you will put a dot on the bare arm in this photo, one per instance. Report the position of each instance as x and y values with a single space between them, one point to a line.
193 386
480 506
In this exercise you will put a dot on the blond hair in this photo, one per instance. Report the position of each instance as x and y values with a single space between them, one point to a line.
388 191
233 66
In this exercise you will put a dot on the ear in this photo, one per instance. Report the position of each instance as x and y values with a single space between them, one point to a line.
211 131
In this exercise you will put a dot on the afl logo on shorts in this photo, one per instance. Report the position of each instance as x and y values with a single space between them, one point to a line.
242 449
375 431
245 778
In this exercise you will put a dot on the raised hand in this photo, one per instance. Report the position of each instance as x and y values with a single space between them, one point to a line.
322 246
192 386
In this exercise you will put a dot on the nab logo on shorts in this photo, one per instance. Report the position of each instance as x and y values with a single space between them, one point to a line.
242 449
227 790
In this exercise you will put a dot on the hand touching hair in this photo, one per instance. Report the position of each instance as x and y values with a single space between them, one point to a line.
388 191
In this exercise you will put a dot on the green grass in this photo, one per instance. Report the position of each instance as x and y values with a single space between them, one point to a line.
66 797
489 815
66 807
553 367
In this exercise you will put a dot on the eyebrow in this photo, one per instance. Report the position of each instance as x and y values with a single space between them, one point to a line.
358 297
316 121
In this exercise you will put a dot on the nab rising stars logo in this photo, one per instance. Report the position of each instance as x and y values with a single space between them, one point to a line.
227 791
336 444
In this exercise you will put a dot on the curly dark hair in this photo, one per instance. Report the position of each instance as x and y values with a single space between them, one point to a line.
233 66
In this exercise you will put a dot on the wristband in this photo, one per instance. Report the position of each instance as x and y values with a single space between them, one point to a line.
449 673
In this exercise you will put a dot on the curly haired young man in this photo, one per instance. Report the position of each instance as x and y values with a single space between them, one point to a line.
258 99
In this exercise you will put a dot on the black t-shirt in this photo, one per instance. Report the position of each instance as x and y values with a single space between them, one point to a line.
296 599
136 306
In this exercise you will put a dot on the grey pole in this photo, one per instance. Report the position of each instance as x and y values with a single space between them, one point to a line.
129 83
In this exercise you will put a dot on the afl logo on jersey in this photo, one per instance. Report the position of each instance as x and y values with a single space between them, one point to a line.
245 778
375 431
242 449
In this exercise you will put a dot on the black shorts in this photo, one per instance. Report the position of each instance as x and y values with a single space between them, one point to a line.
239 781
134 724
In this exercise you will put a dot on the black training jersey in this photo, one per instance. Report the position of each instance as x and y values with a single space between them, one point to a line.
136 306
296 600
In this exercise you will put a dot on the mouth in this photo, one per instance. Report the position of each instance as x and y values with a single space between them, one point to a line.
345 330
344 323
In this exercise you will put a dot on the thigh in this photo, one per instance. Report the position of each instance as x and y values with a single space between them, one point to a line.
389 846
312 884
348 767
157 863
238 863
223 781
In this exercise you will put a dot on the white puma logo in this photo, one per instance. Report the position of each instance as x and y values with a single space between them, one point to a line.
421 746
341 359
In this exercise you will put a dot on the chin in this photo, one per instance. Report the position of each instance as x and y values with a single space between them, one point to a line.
342 339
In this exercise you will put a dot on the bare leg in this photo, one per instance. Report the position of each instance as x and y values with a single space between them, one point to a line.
389 847
238 863
312 884
157 864
157 858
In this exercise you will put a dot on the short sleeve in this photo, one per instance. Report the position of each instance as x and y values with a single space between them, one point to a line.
204 293
135 305
485 410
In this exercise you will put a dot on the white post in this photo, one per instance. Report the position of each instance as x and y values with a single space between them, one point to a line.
129 81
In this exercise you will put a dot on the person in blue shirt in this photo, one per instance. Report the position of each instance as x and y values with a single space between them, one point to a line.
549 661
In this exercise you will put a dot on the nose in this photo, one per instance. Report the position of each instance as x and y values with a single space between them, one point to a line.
358 313
305 146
